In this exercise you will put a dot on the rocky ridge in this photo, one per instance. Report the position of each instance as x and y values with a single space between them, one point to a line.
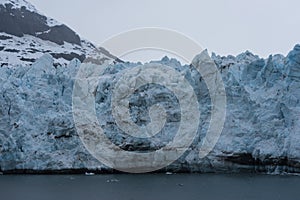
26 35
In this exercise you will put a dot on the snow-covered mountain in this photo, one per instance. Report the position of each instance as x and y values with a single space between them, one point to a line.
26 35
37 127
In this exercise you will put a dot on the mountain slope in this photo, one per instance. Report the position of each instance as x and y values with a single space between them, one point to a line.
26 34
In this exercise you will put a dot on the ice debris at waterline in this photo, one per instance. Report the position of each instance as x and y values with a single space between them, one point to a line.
261 132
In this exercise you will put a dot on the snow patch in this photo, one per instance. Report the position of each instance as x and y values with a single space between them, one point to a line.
17 4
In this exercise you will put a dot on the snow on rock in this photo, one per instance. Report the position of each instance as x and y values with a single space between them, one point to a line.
22 4
261 131
25 50
18 4
26 34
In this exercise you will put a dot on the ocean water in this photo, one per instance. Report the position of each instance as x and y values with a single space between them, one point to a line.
149 186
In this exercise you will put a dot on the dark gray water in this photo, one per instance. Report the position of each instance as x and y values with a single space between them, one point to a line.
149 186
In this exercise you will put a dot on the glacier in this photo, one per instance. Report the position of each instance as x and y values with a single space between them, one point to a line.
261 132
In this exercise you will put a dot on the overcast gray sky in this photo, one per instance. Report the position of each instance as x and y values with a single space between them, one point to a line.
222 26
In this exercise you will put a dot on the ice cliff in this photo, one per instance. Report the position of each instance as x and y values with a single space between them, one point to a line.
261 131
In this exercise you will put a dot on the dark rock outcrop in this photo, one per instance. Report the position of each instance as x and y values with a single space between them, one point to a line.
21 21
